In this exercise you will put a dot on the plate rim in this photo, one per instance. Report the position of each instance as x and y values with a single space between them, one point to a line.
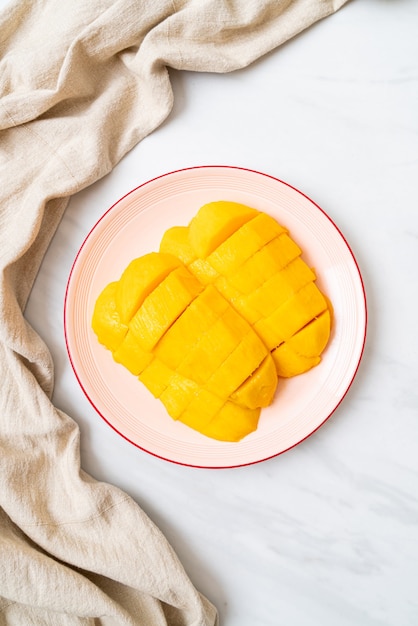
215 167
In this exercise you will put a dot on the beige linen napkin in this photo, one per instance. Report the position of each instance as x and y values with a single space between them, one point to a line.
81 82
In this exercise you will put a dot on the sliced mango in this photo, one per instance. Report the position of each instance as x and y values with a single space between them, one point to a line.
201 410
156 377
130 354
289 363
139 279
312 338
106 321
175 241
206 309
179 394
237 299
214 223
246 357
214 347
203 271
232 423
210 322
163 306
264 264
259 388
291 316
278 289
243 243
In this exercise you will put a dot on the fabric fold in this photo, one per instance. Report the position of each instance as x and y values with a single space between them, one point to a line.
81 83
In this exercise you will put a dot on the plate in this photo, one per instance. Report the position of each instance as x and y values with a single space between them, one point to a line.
133 227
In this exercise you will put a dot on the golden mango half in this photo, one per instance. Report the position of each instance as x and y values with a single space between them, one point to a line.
259 269
187 345
210 322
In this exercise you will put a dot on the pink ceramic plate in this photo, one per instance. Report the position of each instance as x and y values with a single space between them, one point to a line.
134 226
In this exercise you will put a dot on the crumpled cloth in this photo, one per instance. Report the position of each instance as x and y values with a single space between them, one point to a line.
81 82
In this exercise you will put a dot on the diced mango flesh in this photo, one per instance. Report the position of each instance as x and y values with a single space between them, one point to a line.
139 279
156 377
264 264
179 394
214 347
282 286
249 353
175 241
311 339
196 319
232 423
257 391
289 363
106 321
214 223
130 354
201 410
211 321
243 243
163 306
291 316
203 271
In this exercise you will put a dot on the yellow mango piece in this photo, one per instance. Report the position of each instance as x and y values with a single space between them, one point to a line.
106 321
163 306
224 287
280 287
156 377
207 413
241 362
232 423
289 363
131 355
176 241
201 410
241 306
214 347
243 243
203 271
215 222
187 330
293 315
179 394
311 340
264 264
139 279
258 389
237 299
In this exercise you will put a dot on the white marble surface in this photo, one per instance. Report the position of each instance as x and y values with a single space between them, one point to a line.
328 532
